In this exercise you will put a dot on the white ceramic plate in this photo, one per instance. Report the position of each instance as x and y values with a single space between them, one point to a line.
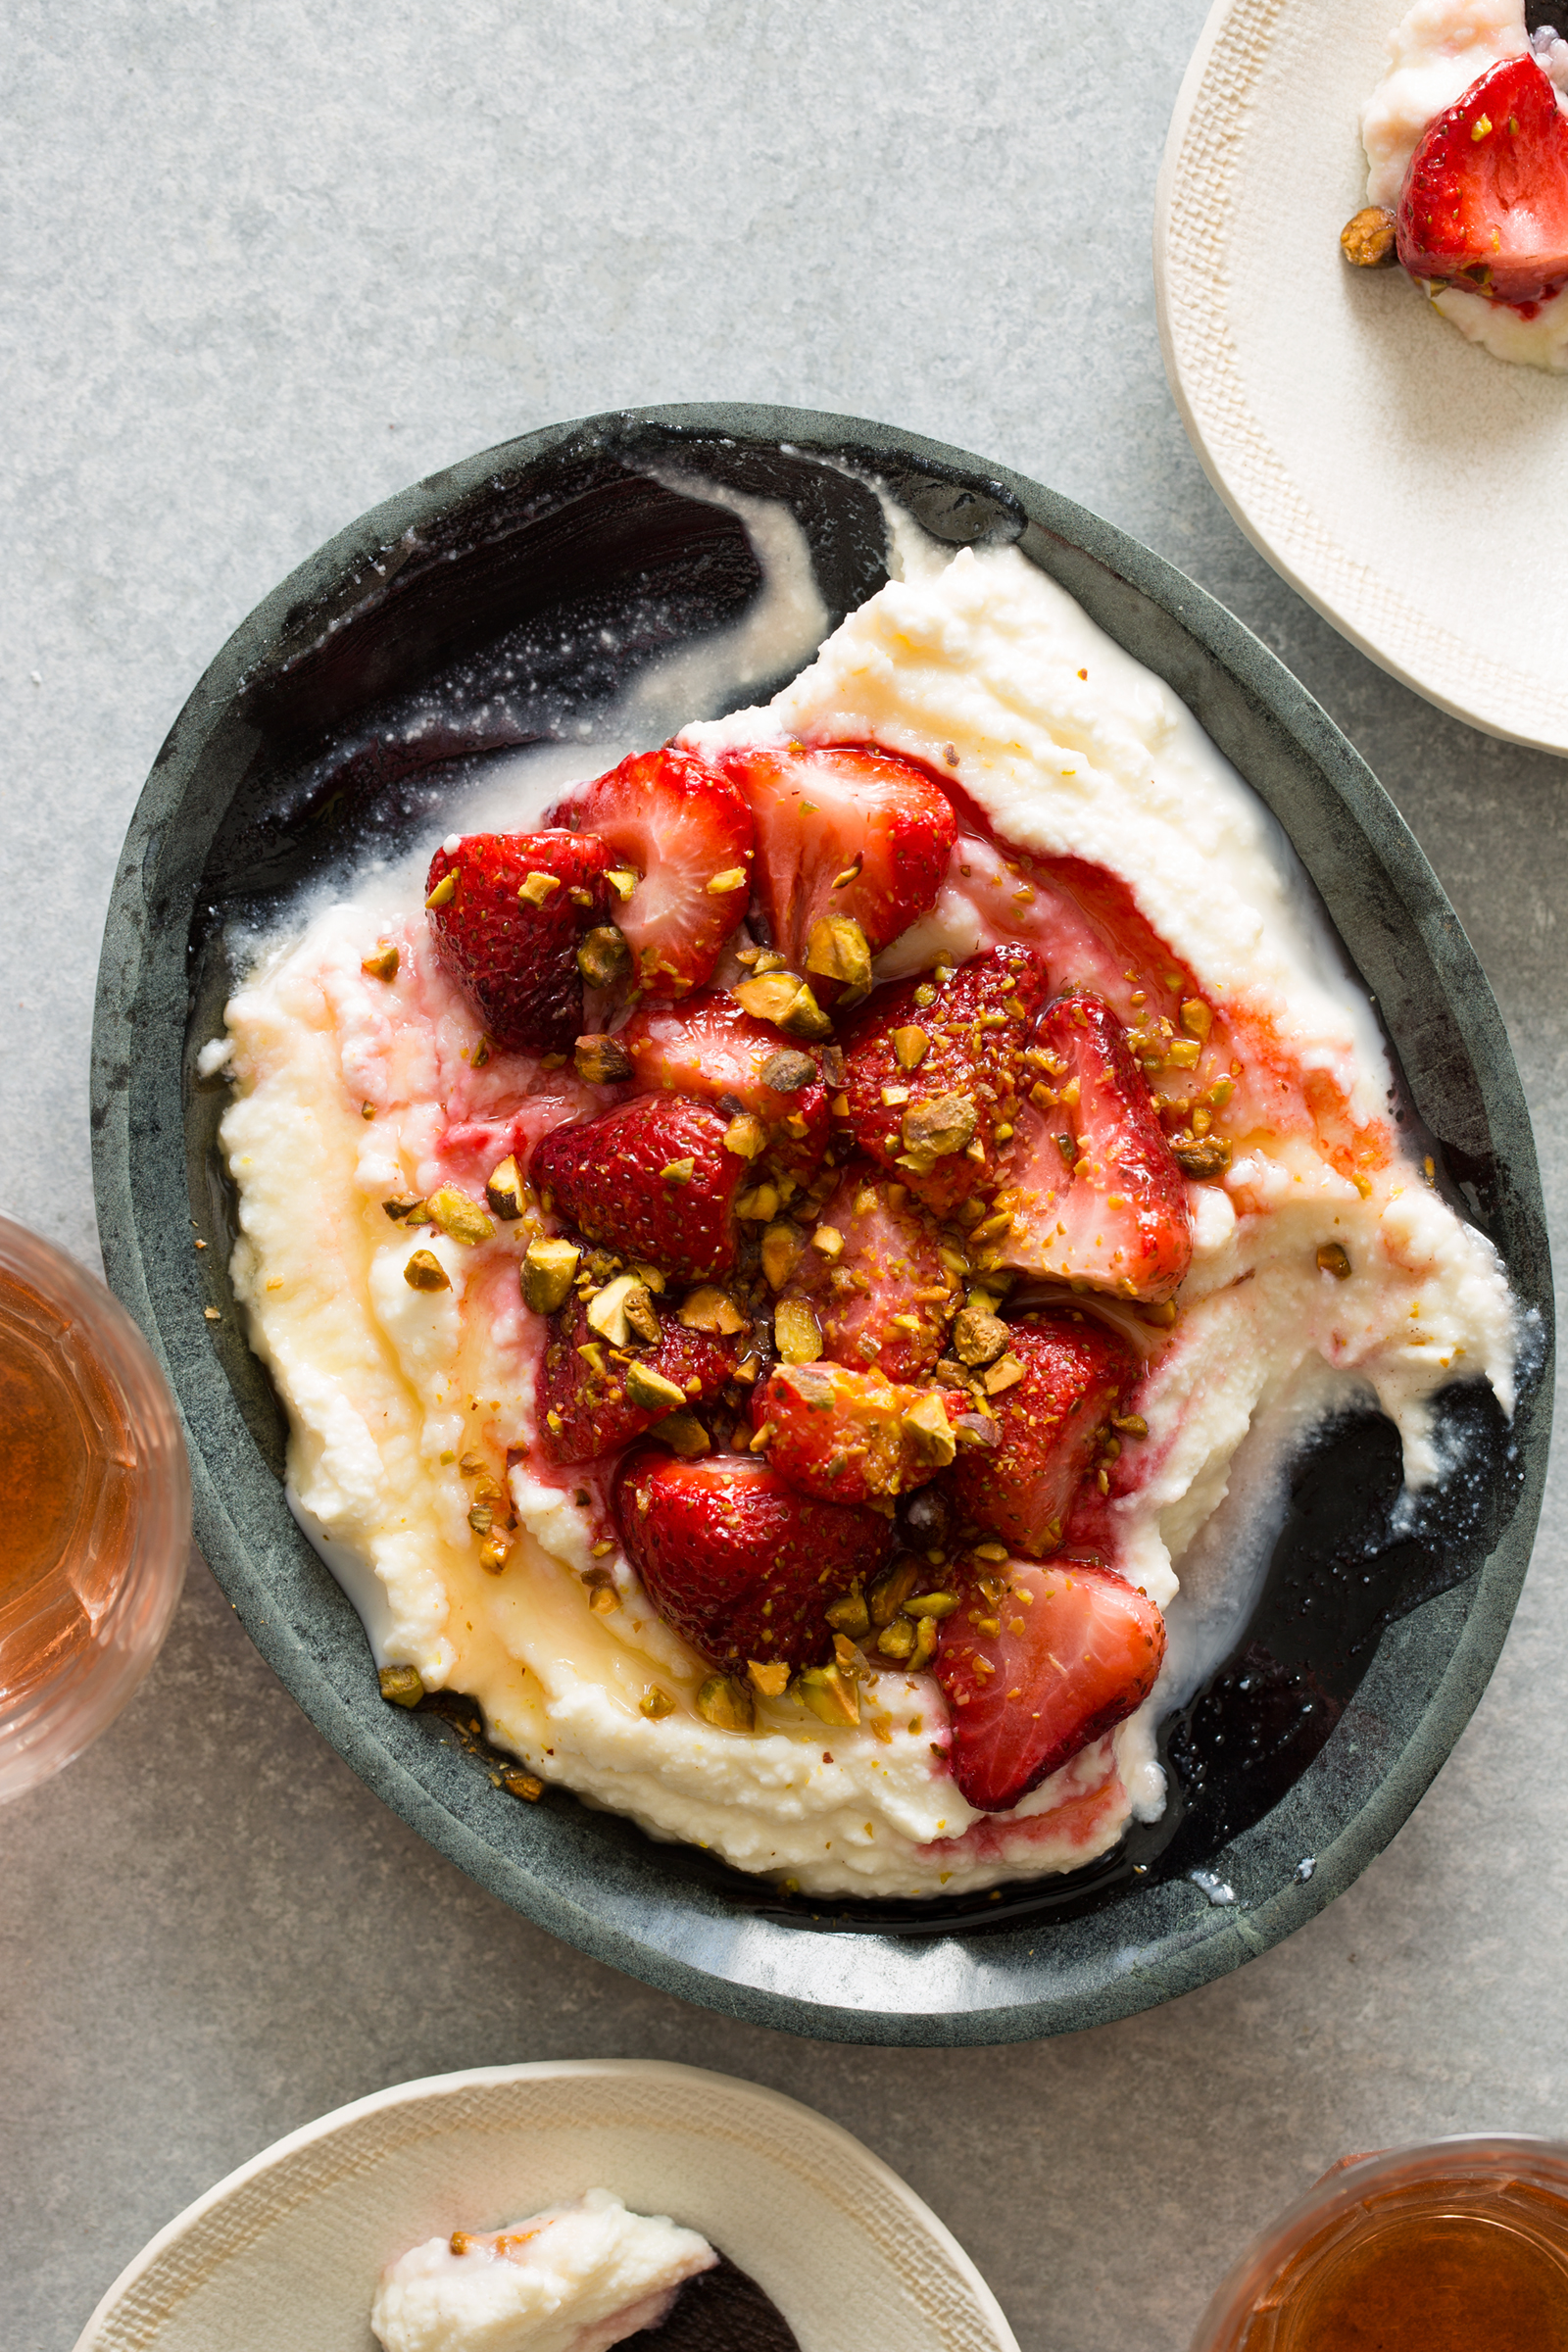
1409 485
286 2251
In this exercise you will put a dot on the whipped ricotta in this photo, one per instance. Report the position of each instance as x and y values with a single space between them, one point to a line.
349 1091
1434 53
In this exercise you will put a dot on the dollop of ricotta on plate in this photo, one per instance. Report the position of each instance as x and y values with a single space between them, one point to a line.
575 2278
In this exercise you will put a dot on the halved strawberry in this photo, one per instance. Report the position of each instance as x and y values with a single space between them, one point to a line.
582 1401
842 830
1058 1659
847 1436
933 1070
875 1278
508 912
1062 1378
1091 1186
1484 202
652 1179
707 1046
736 1561
686 834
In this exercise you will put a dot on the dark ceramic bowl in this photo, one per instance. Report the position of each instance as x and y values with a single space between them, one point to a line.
503 602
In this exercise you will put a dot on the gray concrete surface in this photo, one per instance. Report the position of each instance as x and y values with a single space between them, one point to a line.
262 265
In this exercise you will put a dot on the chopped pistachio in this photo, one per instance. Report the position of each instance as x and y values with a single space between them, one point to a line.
1369 238
622 880
1131 1425
1005 1373
641 1316
797 1332
683 1434
758 1204
547 1273
536 888
978 1336
402 1686
785 999
891 1591
1183 1053
604 956
426 1272
651 1391
1161 1316
930 1431
745 1136
828 1240
601 1060
788 1070
656 1704
604 1600
991 1550
680 1171
505 1190
896 1639
837 948
606 1309
402 1211
495 1550
381 963
771 1680
850 1615
852 872
528 1787
471 1464
710 1310
925 1644
1197 1017
726 1705
1205 1156
830 1695
936 1129
445 891
1333 1259
455 1215
732 878
782 1247
931 1605
481 1052
911 1046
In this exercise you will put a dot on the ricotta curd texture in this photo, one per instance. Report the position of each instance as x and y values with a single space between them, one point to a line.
1434 53
1327 1270
576 2279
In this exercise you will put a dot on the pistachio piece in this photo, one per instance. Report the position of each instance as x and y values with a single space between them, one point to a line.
403 1210
850 1615
771 1679
925 1644
505 1190
889 1594
784 999
536 888
381 963
1005 1373
726 1705
495 1549
931 1605
745 1136
897 1641
547 1272
911 1046
528 1787
604 956
622 880
732 878
641 1316
1368 237
788 1070
710 1310
606 1309
426 1272
930 1431
401 1685
797 1332
455 1215
837 949
656 1704
600 1059
680 1171
782 1247
936 1129
1197 1017
1205 1156
445 891
651 1391
1333 1259
604 1600
830 1695
828 1240
758 1204
682 1433
978 1336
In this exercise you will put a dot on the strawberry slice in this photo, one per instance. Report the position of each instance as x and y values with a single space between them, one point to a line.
1484 202
1041 1662
516 954
736 1561
934 1069
591 1398
842 831
876 1280
686 835
1092 1185
847 1437
1061 1377
652 1179
709 1048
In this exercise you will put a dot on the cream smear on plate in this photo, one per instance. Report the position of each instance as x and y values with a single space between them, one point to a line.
347 1092
1434 53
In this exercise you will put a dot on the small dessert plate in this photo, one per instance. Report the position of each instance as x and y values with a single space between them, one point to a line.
287 2250
1402 480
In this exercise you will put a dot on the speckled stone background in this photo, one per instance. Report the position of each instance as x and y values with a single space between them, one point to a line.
262 265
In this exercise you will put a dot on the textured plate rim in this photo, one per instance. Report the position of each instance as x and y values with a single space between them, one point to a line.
689 2080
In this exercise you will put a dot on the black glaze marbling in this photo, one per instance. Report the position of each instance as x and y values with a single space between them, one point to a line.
471 613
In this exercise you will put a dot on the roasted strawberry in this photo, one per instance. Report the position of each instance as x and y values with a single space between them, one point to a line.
847 1437
654 1179
741 1565
934 1069
840 831
508 912
1092 1189
874 1277
1038 1663
592 1396
1052 1391
680 838
1484 202
707 1046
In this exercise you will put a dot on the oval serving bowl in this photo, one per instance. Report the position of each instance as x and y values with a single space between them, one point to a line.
502 602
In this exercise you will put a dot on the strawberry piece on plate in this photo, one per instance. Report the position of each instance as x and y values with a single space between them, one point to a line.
1484 202
847 1437
591 1397
1060 1656
1091 1186
508 912
741 1565
875 1278
842 831
1061 1377
681 838
709 1048
652 1179
928 1084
